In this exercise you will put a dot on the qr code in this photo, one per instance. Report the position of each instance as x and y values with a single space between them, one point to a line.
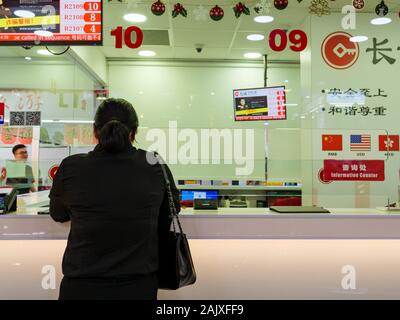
33 118
17 118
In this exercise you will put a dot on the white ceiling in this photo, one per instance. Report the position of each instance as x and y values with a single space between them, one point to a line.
225 39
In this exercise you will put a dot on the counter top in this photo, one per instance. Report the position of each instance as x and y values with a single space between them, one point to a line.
224 223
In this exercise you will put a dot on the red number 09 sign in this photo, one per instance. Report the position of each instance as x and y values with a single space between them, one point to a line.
278 40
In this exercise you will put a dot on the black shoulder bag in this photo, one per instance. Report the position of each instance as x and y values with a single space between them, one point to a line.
176 267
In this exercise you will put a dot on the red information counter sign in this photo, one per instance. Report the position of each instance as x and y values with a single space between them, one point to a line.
354 170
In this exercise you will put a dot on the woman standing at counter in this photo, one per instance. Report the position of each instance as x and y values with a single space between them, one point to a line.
116 201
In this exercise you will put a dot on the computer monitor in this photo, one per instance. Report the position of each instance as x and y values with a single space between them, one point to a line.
190 195
260 104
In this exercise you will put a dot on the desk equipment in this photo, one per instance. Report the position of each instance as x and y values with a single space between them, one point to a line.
298 209
8 200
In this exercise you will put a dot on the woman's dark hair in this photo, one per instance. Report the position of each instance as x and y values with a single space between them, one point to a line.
115 120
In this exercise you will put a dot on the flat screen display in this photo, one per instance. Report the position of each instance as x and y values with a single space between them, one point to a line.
50 22
260 104
2 201
198 194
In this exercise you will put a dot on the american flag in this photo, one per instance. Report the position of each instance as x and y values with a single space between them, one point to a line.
360 142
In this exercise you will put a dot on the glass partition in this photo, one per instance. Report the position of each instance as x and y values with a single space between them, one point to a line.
338 145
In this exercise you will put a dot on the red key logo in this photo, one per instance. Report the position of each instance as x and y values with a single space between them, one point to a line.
339 52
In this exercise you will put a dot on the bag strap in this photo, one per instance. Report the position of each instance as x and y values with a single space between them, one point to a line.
171 203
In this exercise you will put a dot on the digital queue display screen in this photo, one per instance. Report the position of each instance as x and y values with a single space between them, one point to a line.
51 22
260 104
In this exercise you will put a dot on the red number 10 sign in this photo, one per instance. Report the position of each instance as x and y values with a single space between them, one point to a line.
297 38
125 36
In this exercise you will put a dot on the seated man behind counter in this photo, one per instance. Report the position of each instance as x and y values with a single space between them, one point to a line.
24 181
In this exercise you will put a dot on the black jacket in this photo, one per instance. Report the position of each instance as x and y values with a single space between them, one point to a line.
118 208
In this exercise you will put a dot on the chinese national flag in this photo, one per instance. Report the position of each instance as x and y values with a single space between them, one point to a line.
332 142
389 143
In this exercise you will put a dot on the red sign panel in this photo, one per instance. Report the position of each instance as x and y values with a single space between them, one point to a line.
354 170
1 112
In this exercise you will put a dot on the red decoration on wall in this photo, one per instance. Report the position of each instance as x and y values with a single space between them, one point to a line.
25 135
216 13
179 10
281 4
8 135
240 8
358 4
158 8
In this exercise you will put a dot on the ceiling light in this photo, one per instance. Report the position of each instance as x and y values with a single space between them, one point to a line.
135 17
24 13
380 21
146 53
264 19
255 37
44 52
252 55
28 58
43 33
358 38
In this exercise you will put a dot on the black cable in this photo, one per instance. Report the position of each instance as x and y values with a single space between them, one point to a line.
57 54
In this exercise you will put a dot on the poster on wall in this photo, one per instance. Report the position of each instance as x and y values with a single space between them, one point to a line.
15 135
355 100
59 105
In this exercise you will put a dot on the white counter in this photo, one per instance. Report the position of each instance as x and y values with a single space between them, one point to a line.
238 253
224 223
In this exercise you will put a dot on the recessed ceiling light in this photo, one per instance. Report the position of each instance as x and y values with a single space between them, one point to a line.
43 33
380 21
358 38
146 53
28 58
44 52
24 13
264 19
255 37
135 17
252 55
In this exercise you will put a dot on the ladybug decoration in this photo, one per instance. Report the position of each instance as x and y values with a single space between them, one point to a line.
179 10
281 4
382 9
358 4
216 13
158 8
240 8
